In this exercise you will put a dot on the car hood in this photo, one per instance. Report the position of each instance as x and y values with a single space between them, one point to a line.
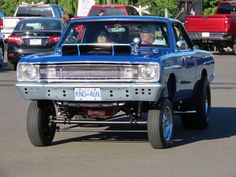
54 57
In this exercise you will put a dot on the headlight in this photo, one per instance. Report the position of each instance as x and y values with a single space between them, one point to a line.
148 72
26 72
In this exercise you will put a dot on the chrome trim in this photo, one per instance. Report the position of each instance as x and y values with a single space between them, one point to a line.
212 77
98 122
86 72
173 67
209 62
185 112
35 37
109 91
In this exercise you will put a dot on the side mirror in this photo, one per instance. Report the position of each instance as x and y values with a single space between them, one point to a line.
182 45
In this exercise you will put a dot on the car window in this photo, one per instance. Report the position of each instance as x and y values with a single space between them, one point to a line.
122 32
107 11
1 14
227 9
56 11
34 11
61 11
181 36
39 25
132 11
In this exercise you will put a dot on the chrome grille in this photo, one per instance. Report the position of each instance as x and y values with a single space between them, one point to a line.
111 72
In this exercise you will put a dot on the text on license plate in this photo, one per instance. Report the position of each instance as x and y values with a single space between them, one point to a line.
87 94
205 34
35 42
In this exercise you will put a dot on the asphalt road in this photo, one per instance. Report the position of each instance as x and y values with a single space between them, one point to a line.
195 153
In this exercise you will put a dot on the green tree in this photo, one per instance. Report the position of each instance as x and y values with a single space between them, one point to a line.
209 7
157 7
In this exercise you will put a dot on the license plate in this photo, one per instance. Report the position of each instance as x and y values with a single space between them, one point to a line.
87 94
205 34
35 42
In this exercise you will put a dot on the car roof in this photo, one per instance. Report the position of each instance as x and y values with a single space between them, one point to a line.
121 18
108 6
37 5
227 2
41 18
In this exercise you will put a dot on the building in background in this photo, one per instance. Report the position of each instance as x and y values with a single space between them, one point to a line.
84 7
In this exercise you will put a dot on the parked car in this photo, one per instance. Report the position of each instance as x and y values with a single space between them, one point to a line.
33 35
111 10
217 30
90 80
1 40
1 49
26 10
1 21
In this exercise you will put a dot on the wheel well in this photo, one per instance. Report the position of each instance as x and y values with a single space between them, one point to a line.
171 86
204 74
46 105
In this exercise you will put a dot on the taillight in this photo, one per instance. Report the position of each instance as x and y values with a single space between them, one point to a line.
226 20
54 39
1 23
15 39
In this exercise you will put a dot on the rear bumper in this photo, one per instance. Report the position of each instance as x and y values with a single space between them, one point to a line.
213 37
109 91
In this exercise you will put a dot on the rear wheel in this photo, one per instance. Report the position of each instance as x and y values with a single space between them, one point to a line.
234 48
40 131
160 125
200 119
11 66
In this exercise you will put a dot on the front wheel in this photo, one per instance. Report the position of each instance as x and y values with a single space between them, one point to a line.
160 125
40 131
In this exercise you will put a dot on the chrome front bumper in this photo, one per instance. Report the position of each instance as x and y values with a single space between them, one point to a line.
109 91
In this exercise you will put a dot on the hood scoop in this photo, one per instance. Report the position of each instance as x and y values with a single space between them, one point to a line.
96 49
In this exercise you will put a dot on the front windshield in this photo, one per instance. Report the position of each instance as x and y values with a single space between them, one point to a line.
227 9
34 11
119 32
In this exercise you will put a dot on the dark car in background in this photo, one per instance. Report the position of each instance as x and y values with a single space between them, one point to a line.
33 35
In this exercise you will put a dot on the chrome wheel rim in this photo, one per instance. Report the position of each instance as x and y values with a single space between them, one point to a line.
167 124
206 106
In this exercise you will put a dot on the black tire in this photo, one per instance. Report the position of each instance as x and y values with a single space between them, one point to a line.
200 119
234 49
160 125
11 66
40 131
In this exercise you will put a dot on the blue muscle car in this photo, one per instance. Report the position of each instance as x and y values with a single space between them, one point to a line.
105 69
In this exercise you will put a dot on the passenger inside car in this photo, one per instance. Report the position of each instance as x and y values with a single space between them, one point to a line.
102 37
151 35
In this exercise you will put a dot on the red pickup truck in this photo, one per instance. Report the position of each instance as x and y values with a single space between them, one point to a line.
112 9
218 30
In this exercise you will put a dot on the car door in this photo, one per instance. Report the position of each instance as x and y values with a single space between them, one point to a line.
186 74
